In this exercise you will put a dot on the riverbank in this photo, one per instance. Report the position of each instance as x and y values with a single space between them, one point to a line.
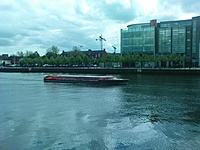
189 71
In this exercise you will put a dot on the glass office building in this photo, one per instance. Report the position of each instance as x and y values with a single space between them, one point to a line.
196 39
175 37
180 37
138 38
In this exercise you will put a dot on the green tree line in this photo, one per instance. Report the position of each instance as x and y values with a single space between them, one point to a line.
76 57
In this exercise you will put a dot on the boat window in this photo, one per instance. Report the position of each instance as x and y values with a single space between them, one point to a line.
69 78
86 78
79 78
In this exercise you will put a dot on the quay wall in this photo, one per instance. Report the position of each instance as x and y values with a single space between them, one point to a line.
67 70
187 71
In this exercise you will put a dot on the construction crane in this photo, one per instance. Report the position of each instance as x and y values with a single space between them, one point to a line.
101 39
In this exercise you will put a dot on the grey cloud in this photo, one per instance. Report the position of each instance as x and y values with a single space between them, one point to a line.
6 33
188 6
168 17
113 11
5 42
119 13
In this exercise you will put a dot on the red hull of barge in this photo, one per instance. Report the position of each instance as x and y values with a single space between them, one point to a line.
108 80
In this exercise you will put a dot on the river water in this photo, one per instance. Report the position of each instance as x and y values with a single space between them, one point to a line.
151 112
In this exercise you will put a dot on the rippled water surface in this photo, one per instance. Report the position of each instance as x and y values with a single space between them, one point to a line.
151 112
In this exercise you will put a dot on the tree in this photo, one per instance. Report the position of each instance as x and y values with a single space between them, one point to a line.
127 58
58 60
28 53
72 59
109 59
92 60
25 61
52 52
78 59
53 49
86 59
33 55
52 61
173 58
39 61
165 59
65 60
76 53
20 54
136 57
46 60
157 60
22 61
184 60
103 60
116 58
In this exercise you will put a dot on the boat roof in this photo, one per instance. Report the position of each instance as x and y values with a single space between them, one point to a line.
82 76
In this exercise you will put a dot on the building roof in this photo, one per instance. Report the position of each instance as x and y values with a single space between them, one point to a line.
88 52
4 57
93 51
139 25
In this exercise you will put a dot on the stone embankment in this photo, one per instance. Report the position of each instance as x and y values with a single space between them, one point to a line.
190 71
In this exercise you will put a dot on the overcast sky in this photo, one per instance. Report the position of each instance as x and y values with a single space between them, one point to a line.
36 25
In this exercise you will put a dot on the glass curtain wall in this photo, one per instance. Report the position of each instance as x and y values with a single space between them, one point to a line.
164 36
138 38
196 40
178 40
178 35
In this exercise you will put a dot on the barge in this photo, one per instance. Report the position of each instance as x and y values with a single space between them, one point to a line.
108 80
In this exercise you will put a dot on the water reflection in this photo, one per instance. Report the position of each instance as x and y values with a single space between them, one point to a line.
159 99
194 116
